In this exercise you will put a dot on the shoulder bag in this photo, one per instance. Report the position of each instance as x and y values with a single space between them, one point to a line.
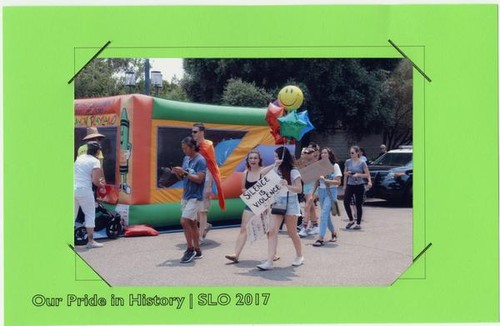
280 209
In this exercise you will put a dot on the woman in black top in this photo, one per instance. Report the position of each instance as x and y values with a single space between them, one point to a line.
253 173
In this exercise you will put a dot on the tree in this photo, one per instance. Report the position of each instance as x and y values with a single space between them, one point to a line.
398 103
105 77
240 93
342 93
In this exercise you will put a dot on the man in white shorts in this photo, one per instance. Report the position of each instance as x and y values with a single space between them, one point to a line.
192 173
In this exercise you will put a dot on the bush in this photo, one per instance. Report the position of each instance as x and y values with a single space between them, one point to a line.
240 93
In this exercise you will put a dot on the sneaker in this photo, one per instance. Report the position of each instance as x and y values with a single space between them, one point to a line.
198 254
94 244
188 256
349 225
357 227
314 230
298 261
209 226
265 266
201 241
303 232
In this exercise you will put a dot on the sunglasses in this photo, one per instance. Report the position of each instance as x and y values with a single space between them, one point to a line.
194 131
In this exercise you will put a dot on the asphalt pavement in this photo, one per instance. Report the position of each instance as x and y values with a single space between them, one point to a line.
376 255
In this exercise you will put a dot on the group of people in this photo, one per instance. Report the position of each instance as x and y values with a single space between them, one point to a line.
199 170
301 199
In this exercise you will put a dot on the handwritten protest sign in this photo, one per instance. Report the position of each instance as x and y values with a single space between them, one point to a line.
258 226
313 171
261 195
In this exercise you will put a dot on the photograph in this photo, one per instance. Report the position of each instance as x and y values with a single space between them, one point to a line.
277 163
235 116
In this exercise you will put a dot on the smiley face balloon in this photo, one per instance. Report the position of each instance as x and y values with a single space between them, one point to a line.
291 97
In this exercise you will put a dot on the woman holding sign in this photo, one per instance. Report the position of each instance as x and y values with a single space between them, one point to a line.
253 173
327 185
288 199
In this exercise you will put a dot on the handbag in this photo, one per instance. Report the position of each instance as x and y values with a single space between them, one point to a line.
280 209
335 203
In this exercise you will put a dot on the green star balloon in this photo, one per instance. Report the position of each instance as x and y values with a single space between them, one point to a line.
291 126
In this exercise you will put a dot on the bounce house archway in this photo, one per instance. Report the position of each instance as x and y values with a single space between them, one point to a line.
143 136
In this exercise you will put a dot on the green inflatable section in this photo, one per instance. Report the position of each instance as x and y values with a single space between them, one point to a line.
167 215
183 111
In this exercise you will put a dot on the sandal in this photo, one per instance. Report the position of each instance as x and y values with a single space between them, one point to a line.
334 237
319 243
232 258
275 258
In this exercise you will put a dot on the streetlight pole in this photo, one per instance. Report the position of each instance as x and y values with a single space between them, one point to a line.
147 81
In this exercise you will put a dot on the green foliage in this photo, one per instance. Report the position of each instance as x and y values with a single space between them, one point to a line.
240 93
361 96
96 80
398 105
339 93
105 77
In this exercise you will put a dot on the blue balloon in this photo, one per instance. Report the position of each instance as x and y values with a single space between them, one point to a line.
304 117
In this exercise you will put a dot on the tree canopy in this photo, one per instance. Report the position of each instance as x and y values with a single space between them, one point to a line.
105 77
360 96
353 94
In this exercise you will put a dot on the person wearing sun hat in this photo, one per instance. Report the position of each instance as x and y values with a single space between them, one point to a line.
88 172
92 135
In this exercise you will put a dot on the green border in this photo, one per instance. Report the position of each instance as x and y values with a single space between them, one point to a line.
455 138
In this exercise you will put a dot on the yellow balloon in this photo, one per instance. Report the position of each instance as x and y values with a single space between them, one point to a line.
291 97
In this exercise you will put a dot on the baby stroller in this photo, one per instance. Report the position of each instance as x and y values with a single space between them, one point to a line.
104 219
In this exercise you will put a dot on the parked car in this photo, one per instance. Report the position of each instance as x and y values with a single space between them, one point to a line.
392 176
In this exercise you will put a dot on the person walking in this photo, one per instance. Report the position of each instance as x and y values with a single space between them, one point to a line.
327 185
292 185
254 172
355 172
309 209
207 150
192 174
88 171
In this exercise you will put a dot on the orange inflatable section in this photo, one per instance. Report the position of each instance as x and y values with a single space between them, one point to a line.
231 186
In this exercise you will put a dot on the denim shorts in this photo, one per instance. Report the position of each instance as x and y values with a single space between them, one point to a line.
308 187
293 207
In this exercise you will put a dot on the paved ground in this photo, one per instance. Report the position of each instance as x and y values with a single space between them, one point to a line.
373 256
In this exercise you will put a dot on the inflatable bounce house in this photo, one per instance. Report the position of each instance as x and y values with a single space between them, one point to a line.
143 140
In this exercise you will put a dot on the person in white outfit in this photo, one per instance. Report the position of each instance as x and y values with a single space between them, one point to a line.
88 171
291 182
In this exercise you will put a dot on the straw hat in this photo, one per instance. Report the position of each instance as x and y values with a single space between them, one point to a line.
92 133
